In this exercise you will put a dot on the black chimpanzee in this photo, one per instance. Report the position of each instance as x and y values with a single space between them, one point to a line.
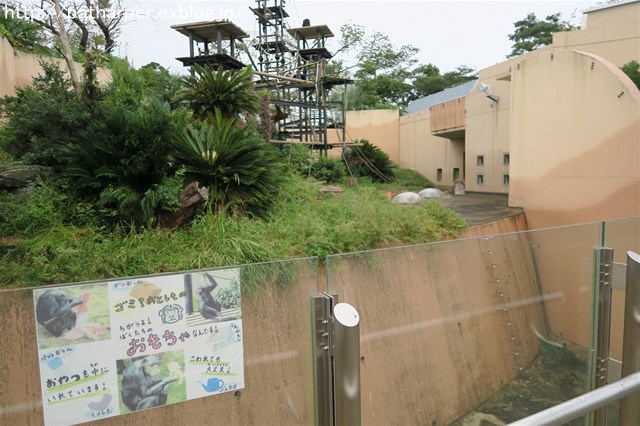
54 311
208 306
140 386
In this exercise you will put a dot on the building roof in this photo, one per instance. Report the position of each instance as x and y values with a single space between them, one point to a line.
304 33
207 30
608 5
449 94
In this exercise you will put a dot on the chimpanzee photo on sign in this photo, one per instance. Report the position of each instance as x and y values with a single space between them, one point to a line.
151 381
72 315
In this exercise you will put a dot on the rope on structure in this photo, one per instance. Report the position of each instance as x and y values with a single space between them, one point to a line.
370 165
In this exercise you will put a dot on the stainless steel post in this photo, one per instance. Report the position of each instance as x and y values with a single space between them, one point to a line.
602 326
321 343
346 358
630 406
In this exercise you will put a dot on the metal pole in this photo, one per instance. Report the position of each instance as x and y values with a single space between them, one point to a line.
603 326
630 406
583 404
321 340
346 358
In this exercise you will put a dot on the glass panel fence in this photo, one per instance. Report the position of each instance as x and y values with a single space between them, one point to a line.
621 235
220 346
476 331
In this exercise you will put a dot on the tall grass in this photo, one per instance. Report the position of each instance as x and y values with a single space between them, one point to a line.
302 222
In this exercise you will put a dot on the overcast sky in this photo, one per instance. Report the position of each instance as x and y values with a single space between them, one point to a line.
448 33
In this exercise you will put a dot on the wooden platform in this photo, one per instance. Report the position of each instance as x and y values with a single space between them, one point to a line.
316 143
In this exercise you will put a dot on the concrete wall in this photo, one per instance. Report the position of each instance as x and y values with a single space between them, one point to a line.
379 127
18 68
575 140
277 358
421 151
611 32
434 338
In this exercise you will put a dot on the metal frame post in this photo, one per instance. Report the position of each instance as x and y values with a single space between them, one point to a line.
602 326
630 406
321 305
336 361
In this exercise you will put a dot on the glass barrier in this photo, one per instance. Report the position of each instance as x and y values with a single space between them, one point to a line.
191 345
621 235
477 331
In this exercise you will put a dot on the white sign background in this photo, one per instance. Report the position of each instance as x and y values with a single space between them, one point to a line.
111 348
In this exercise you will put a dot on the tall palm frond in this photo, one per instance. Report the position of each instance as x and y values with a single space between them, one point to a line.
230 92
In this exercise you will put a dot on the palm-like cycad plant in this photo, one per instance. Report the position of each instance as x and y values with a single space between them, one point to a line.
241 171
230 92
123 163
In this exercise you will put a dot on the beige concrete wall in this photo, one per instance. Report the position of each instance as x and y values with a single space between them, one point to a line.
612 33
434 338
379 127
421 151
277 360
18 68
487 131
575 140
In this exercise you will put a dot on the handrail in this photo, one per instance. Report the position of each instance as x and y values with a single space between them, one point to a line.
583 404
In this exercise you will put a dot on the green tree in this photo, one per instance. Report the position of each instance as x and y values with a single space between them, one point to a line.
531 33
23 35
381 70
386 75
43 116
241 171
632 69
130 86
427 79
228 91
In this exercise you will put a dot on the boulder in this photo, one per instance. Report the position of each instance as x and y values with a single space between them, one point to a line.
14 176
406 198
431 193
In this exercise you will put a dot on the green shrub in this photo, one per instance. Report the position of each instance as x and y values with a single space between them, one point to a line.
328 169
42 117
241 171
369 160
123 163
39 208
298 158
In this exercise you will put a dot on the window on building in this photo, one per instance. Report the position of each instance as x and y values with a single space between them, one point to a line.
505 159
456 174
480 160
439 174
480 179
505 179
